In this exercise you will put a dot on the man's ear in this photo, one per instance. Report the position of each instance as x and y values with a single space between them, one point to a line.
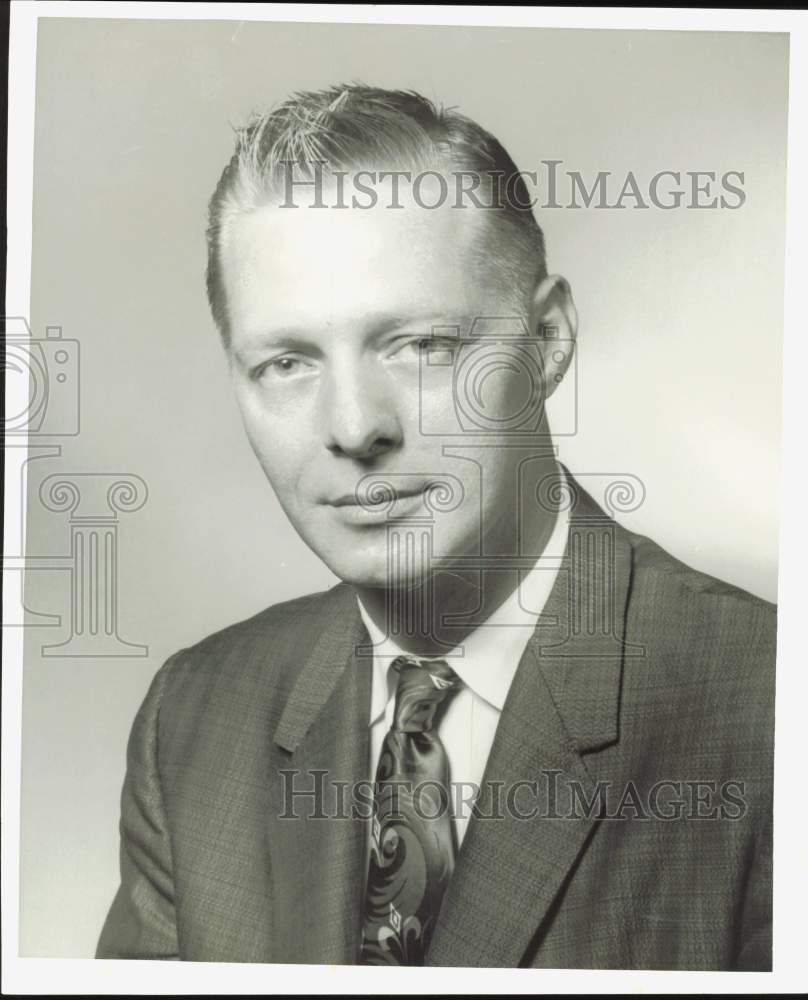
553 320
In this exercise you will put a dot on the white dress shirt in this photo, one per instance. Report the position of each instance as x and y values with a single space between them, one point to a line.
485 662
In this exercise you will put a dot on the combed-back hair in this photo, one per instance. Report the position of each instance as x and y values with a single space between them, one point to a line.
354 126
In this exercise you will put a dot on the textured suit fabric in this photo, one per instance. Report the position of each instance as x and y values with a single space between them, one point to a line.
640 671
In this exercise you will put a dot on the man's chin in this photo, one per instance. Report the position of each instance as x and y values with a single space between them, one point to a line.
370 578
365 560
368 573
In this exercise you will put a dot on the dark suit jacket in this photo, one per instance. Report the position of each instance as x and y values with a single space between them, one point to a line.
640 671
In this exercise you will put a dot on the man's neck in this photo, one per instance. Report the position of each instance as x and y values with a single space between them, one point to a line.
433 616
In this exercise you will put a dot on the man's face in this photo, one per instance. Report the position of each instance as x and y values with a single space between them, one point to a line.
339 377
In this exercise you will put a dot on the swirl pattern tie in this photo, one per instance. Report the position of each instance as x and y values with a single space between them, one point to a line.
412 847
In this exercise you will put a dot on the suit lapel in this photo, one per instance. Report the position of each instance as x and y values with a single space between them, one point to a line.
322 736
563 702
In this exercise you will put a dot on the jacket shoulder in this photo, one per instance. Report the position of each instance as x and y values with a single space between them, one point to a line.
702 633
264 646
663 575
271 622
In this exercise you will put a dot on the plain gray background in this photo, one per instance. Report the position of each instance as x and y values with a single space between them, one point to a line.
679 350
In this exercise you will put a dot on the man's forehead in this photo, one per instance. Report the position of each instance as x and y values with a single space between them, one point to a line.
356 258
331 215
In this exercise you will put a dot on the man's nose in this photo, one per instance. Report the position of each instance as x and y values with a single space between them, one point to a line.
359 414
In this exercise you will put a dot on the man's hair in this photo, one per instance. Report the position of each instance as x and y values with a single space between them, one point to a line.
355 126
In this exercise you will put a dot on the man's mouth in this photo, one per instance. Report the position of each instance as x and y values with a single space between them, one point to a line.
376 503
376 497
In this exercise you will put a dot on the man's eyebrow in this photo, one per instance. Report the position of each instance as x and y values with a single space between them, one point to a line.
286 337
376 323
373 324
380 322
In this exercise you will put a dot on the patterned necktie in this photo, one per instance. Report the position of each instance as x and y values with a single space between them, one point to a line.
412 849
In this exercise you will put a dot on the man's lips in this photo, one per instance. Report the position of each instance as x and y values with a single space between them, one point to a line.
378 497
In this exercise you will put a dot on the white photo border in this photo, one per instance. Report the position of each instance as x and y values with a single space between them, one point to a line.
89 976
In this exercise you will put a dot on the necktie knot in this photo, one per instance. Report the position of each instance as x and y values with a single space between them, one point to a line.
423 687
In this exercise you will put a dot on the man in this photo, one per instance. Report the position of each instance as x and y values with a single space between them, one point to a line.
516 734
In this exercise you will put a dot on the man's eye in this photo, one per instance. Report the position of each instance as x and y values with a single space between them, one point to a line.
283 368
428 348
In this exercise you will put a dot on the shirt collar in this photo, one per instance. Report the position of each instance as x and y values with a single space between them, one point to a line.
487 659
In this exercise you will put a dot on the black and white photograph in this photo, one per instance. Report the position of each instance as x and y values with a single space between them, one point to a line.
402 439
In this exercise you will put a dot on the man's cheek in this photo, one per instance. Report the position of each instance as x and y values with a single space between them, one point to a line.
275 463
275 441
